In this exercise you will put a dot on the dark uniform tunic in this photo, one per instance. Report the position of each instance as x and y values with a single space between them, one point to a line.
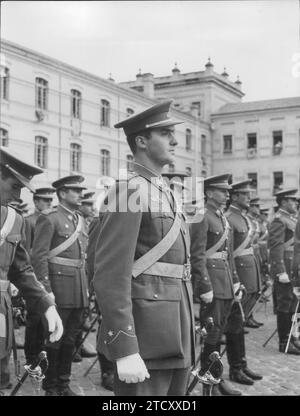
151 315
15 267
30 222
64 275
246 263
296 257
214 272
281 244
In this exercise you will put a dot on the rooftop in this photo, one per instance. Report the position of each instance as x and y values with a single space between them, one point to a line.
278 103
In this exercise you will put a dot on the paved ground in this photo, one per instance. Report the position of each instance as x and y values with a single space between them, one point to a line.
281 372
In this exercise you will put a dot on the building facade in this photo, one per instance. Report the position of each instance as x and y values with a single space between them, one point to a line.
261 141
61 118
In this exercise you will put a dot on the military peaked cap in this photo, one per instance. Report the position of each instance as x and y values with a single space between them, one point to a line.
21 170
45 193
218 181
242 186
287 194
154 117
72 182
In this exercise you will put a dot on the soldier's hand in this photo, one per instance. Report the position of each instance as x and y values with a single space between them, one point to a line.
55 326
296 291
51 294
207 297
13 290
132 369
283 278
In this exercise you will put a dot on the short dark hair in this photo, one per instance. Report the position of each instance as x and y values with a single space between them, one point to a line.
62 189
131 139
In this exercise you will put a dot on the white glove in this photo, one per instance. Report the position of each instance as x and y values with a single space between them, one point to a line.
55 325
283 278
207 297
296 291
236 287
132 369
51 294
13 290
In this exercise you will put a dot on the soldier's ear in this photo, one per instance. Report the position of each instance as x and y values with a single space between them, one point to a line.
141 142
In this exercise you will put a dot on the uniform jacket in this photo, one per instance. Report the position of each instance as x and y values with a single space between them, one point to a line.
30 222
15 267
296 256
212 274
247 266
93 233
282 229
263 242
148 314
68 283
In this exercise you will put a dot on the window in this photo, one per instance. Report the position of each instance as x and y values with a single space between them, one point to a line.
171 167
105 113
203 144
41 93
76 104
277 142
41 151
197 104
4 74
253 177
251 140
3 137
227 143
75 157
129 112
188 139
277 181
188 171
105 162
129 159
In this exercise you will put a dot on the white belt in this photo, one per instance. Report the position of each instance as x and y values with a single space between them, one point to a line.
246 252
78 263
177 271
289 249
223 255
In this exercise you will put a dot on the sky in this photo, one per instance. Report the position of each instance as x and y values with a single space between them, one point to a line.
257 40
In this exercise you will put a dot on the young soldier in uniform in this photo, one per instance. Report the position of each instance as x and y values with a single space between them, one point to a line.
35 331
214 276
14 260
142 271
247 268
58 258
86 350
281 244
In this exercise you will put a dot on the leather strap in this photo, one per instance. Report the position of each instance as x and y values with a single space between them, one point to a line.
66 244
240 249
67 262
7 225
158 251
176 271
219 243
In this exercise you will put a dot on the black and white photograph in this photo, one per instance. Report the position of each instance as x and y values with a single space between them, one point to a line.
150 200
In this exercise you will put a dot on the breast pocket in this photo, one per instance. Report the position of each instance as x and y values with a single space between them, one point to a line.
156 311
63 284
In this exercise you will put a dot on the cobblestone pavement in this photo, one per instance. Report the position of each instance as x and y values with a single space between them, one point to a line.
281 372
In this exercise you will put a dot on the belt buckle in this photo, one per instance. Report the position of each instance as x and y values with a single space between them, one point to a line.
186 272
224 255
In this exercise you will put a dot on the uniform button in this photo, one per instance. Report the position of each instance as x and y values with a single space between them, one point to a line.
110 333
129 328
155 296
66 225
